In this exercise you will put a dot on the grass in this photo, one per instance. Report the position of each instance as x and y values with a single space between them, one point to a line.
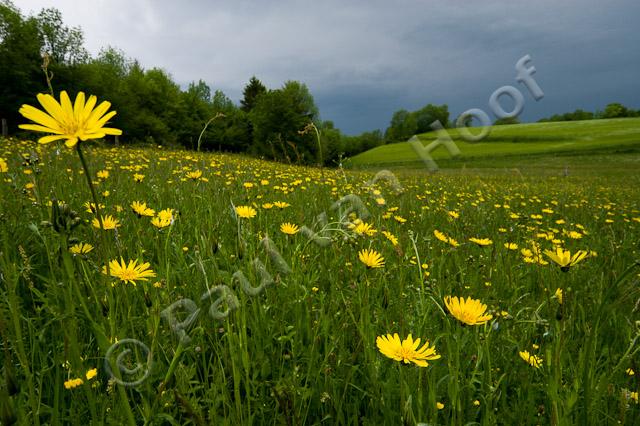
302 348
517 144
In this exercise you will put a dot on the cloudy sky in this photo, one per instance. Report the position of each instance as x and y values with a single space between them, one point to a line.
365 59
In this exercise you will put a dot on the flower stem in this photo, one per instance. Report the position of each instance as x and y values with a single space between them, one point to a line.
172 366
95 202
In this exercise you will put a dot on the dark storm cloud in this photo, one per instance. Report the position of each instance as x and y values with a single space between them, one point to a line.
363 60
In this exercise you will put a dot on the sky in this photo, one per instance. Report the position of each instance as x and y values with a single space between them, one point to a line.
365 59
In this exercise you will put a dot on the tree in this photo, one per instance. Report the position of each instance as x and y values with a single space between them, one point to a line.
251 93
371 140
20 74
331 141
230 131
578 115
615 110
63 44
403 125
222 103
103 76
195 107
353 145
155 108
301 99
278 118
429 114
200 91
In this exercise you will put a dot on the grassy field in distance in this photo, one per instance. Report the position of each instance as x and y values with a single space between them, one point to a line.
555 144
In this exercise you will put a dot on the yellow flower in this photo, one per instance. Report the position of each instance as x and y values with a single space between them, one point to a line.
439 405
289 228
267 206
3 166
129 273
91 373
79 121
573 234
166 214
72 383
483 242
558 295
81 248
163 219
406 351
453 214
371 258
511 246
103 174
159 222
138 177
400 219
442 237
108 221
564 259
470 311
390 237
141 209
533 255
91 207
195 175
281 204
453 242
364 228
246 212
533 360
630 372
476 403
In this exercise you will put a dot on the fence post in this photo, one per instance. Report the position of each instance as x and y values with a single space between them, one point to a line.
5 128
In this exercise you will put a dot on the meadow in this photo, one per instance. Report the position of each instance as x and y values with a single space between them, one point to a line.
294 339
519 144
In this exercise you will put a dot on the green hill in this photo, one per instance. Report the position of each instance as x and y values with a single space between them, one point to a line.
530 140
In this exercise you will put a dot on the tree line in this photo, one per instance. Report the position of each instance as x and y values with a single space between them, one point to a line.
151 107
612 110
